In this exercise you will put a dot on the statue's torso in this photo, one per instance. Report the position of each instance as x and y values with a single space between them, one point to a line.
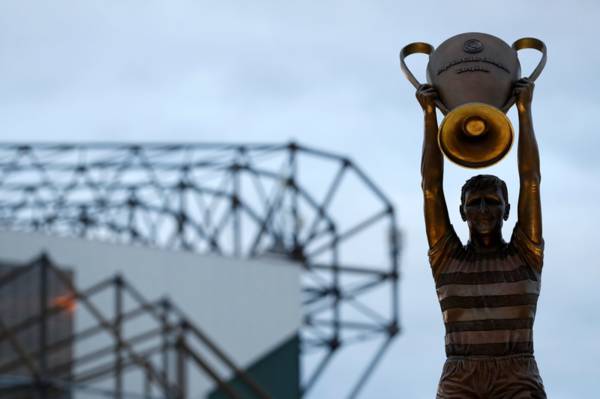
488 301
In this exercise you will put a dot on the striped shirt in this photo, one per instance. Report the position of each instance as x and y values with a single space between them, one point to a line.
488 301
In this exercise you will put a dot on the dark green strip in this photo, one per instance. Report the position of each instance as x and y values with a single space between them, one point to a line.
519 274
508 348
489 325
494 301
277 372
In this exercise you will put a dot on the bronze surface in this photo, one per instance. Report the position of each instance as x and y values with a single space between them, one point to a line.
461 77
474 68
489 287
489 142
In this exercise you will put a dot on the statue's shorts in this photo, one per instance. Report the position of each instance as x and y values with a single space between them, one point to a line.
504 377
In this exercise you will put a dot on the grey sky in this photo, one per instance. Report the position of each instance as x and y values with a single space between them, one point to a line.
327 74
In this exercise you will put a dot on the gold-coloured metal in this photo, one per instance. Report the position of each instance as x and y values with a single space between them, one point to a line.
474 126
478 70
484 207
475 135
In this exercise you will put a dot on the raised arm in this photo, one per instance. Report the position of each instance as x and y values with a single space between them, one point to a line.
530 212
437 222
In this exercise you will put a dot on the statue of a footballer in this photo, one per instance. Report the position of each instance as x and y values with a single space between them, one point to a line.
487 289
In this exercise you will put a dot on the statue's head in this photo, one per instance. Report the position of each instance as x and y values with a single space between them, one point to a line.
484 204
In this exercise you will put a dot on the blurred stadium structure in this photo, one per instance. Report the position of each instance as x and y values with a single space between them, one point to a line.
260 203
165 352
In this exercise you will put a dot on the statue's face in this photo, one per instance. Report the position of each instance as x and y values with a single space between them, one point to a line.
484 210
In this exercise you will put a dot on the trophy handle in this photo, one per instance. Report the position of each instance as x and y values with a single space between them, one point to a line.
529 43
417 48
536 44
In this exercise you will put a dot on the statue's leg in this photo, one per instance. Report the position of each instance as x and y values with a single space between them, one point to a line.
518 378
458 380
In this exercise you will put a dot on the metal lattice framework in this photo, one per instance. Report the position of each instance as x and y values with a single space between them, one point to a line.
315 207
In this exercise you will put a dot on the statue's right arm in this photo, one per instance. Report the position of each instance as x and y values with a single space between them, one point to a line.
437 222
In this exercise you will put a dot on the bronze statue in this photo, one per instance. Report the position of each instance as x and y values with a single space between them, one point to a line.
487 289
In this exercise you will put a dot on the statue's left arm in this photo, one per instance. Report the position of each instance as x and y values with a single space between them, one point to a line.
529 212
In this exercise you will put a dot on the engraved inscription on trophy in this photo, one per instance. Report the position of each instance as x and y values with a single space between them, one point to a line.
463 60
472 69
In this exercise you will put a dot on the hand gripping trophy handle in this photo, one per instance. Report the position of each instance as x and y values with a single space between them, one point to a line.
529 43
426 48
417 48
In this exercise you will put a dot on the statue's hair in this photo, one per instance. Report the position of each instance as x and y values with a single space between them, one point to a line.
481 182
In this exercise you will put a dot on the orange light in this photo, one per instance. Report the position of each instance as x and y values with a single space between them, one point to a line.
67 302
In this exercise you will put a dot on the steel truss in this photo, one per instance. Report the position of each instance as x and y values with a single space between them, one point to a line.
315 207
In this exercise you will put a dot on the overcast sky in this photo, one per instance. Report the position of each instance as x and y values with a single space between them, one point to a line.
327 74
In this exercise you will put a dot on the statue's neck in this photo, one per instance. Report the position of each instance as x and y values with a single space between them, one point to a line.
487 242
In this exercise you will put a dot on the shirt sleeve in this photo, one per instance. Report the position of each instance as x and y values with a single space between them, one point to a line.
441 251
532 253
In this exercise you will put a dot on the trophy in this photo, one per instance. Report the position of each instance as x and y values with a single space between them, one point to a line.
474 75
